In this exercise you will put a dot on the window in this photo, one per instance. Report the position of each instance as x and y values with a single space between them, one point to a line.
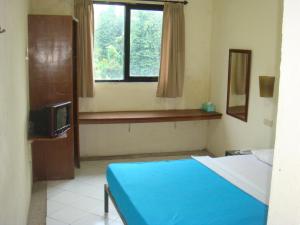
127 42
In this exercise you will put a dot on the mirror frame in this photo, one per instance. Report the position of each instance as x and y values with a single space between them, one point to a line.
249 53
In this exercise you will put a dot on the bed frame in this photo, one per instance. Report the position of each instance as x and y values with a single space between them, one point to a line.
107 195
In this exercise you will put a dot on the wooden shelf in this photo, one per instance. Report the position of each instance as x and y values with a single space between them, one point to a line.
146 116
37 138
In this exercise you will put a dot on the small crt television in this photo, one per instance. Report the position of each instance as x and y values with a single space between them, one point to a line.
51 120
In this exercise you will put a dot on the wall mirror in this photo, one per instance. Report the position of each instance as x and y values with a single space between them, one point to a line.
238 83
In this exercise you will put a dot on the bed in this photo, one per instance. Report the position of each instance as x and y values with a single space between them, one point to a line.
197 191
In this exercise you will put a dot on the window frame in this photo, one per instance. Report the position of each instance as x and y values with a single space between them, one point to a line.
127 28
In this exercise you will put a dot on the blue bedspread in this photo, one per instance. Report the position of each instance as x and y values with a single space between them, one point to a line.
180 192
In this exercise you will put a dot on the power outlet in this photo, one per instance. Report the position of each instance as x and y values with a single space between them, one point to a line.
268 123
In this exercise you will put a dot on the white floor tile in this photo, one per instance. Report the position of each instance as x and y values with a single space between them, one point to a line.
60 184
113 214
118 220
96 180
80 201
52 192
66 197
68 215
117 223
112 209
89 204
53 206
93 220
86 190
50 221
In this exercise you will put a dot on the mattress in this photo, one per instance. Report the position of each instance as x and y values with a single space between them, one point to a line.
180 192
247 172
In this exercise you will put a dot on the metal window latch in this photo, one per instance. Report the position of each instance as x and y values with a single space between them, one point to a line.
2 30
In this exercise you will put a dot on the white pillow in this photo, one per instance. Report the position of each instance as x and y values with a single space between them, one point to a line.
264 155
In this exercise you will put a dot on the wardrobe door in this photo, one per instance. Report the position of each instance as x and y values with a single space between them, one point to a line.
51 81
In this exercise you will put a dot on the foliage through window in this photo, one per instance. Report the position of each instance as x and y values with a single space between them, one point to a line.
127 42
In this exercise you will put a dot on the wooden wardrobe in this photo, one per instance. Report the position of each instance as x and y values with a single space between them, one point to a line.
52 79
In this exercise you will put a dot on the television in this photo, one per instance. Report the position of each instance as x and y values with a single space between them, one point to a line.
51 120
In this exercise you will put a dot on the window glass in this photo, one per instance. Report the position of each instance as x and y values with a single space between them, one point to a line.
127 42
145 42
109 42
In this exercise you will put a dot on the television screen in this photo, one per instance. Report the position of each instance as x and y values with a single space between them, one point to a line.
62 117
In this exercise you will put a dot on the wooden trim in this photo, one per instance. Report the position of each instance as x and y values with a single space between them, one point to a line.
146 116
249 52
75 96
203 152
40 138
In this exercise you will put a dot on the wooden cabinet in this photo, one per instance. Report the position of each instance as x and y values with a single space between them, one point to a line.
52 79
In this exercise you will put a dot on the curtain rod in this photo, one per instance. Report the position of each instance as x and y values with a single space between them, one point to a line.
161 1
183 2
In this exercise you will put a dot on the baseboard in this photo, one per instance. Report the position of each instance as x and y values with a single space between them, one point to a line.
38 205
203 152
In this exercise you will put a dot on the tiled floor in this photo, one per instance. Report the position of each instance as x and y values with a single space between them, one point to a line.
81 201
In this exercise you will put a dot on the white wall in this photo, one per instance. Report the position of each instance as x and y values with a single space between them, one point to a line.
212 27
15 166
53 7
244 24
285 190
115 139
122 139
142 96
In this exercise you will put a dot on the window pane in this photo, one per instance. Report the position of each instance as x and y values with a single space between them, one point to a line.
145 42
109 42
